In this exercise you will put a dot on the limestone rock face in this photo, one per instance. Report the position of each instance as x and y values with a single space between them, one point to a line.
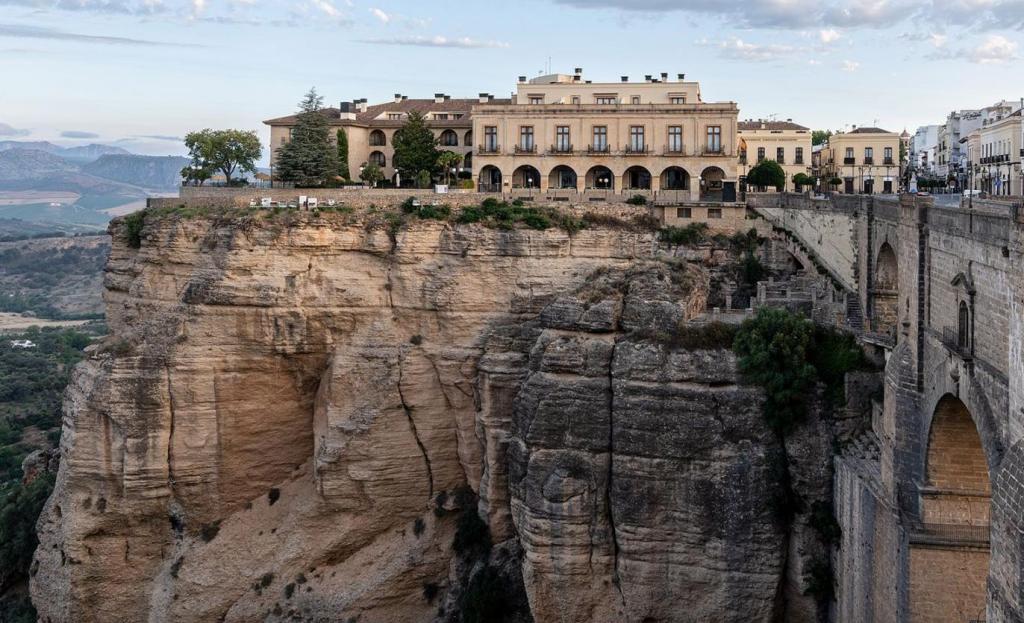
289 417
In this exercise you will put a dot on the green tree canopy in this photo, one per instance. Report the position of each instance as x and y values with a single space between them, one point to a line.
447 160
371 174
767 173
343 155
309 158
819 137
226 151
415 147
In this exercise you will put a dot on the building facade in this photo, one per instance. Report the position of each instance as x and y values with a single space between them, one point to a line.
785 142
995 156
370 129
561 135
923 146
864 160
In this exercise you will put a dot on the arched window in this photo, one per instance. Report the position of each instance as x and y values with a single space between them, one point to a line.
449 139
378 158
377 139
963 339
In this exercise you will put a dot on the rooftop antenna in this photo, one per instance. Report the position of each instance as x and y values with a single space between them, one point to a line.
875 123
773 117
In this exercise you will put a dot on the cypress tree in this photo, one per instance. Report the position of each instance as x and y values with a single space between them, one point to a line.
308 159
343 155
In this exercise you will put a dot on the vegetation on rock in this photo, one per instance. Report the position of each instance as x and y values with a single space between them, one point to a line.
224 151
308 159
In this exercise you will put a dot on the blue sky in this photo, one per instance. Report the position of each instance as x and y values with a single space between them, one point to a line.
142 73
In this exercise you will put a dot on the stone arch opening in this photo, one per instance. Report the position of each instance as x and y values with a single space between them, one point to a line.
490 179
378 158
885 296
637 178
449 139
949 549
562 177
468 138
675 178
600 178
526 176
712 183
378 139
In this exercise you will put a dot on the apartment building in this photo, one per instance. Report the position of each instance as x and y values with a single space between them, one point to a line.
785 142
923 147
370 129
995 156
562 135
865 160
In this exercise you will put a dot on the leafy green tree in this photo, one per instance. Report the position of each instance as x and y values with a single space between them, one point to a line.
19 509
343 155
802 179
773 352
371 174
196 174
446 161
767 173
226 151
415 146
820 137
309 158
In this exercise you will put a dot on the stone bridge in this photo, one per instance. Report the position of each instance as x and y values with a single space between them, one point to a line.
931 499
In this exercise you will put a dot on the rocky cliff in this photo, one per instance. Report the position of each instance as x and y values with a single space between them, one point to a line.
305 420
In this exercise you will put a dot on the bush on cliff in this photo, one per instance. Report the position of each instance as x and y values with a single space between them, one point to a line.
133 228
19 508
691 234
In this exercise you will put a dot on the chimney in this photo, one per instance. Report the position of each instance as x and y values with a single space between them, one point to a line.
681 77
579 71
361 105
647 77
484 98
438 98
664 76
625 78
398 97
790 120
522 78
405 97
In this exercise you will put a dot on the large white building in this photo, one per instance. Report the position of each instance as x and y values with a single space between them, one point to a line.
923 146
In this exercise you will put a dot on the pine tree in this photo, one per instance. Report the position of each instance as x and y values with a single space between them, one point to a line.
308 159
415 147
343 155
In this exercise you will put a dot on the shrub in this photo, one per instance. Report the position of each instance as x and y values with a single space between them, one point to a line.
472 536
637 200
534 220
693 233
416 340
751 270
273 495
834 355
20 506
133 224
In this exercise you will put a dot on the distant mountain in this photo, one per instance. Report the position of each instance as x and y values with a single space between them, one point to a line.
83 153
156 172
18 165
89 153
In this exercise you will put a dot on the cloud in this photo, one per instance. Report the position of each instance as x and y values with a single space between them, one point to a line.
829 35
738 49
37 32
437 42
851 66
327 8
7 130
937 40
797 14
381 15
993 50
78 134
159 137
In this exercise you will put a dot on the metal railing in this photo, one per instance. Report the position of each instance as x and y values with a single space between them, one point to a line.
599 149
527 149
560 149
637 150
849 161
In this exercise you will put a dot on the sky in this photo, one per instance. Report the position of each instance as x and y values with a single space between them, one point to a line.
142 73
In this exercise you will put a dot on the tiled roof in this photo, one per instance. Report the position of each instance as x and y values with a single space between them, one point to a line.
870 131
770 125
406 106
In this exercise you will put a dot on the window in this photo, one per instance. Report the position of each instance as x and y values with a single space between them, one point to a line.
457 115
575 100
449 139
888 155
394 116
677 99
714 144
562 142
848 159
798 158
675 139
636 139
714 212
636 100
780 155
536 99
441 116
526 138
760 154
378 159
600 138
684 212
605 100
377 139
283 140
869 155
963 327
490 138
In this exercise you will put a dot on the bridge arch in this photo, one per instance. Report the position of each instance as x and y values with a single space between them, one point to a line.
885 297
949 551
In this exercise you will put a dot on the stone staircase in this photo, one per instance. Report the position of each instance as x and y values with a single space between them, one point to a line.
854 314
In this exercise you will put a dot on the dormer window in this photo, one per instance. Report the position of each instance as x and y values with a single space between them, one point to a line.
677 99
441 116
605 100
537 100
394 116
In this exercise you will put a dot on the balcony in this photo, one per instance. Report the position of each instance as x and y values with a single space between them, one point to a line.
677 150
798 161
560 149
488 149
637 150
598 149
713 151
526 149
849 161
869 160
887 161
